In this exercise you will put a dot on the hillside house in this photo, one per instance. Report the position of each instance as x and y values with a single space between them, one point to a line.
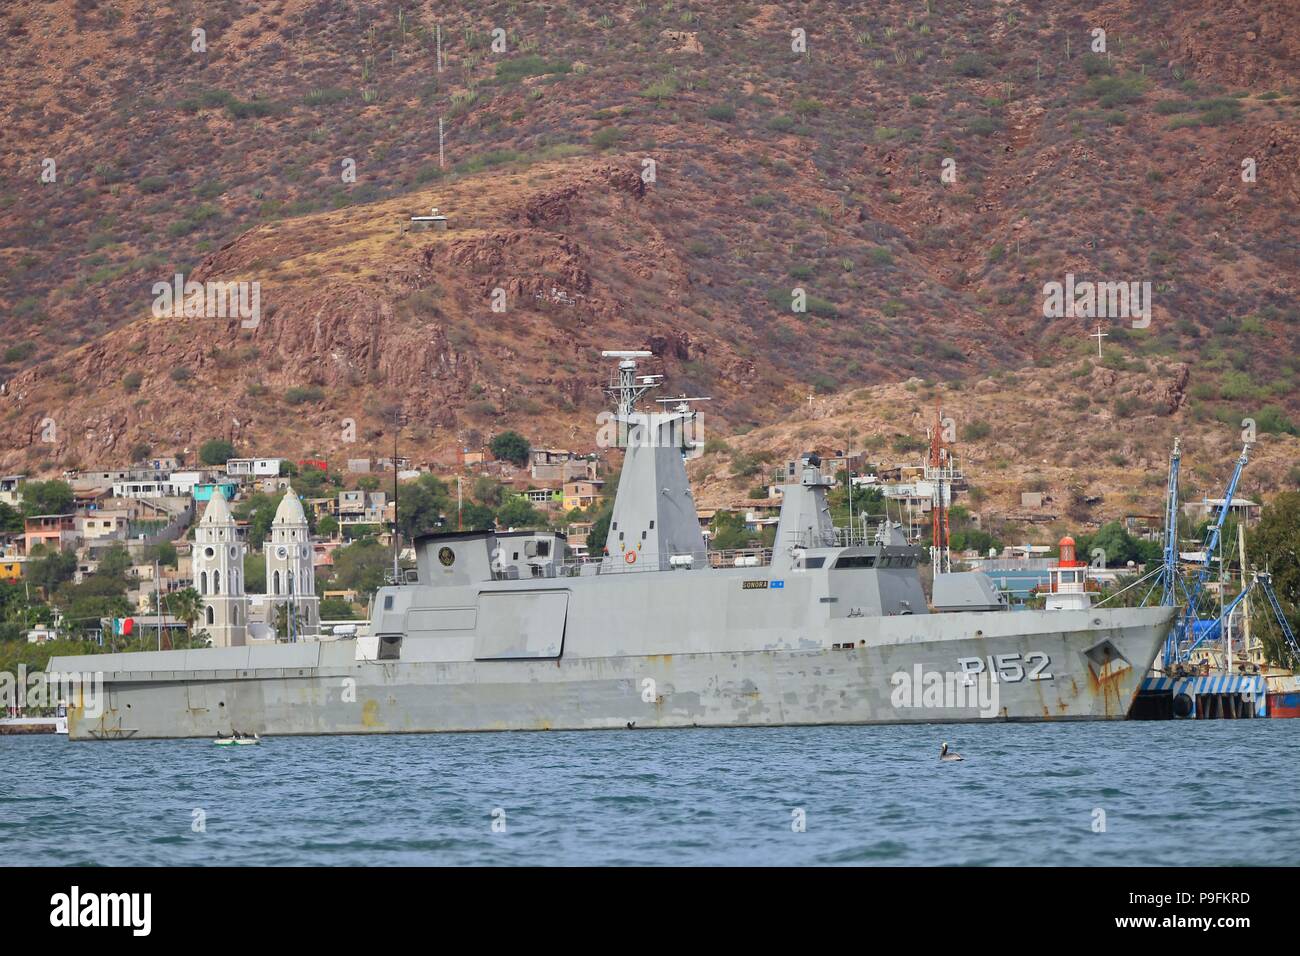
9 493
55 532
581 494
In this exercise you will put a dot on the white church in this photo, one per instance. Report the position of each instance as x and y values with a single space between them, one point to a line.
234 618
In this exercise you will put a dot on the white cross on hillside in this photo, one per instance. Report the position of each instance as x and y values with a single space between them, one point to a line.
1098 335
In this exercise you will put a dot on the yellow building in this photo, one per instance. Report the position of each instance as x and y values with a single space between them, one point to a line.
581 494
10 570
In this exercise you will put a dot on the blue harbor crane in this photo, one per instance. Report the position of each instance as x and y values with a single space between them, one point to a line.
1189 628
1187 638
1212 629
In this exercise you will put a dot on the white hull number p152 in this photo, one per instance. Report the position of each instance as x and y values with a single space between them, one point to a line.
1009 667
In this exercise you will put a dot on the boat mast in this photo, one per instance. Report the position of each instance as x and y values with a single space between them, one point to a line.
935 472
626 390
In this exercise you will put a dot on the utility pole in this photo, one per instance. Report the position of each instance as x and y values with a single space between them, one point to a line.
289 613
157 599
397 427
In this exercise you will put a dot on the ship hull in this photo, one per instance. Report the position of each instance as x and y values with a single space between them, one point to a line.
897 671
1284 704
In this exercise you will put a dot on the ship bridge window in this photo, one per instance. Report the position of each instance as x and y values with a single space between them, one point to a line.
813 562
857 561
537 549
388 602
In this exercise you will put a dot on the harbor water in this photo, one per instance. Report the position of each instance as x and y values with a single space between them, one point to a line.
1124 793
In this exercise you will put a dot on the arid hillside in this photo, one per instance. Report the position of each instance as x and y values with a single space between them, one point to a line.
778 200
1016 432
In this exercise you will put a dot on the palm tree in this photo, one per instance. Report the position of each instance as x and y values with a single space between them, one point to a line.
283 621
186 605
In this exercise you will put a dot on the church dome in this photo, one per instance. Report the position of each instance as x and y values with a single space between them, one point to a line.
218 512
290 510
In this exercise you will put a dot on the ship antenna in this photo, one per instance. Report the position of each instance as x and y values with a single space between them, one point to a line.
629 387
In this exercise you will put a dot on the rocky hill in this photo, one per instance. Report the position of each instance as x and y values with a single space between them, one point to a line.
663 175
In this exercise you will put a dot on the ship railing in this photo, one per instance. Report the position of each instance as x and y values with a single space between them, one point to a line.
636 562
857 535
1068 587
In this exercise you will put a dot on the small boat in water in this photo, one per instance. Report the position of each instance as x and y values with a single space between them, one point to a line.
237 741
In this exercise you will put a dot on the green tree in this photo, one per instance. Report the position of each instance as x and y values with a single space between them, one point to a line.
518 513
164 552
186 605
115 561
1119 545
510 446
337 609
422 505
254 573
284 618
1274 544
216 451
866 501
974 539
311 481
51 570
476 517
729 531
599 532
99 595
259 511
328 526
361 566
488 491
11 519
51 497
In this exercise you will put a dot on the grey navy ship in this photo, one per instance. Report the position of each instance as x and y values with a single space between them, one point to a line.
508 631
